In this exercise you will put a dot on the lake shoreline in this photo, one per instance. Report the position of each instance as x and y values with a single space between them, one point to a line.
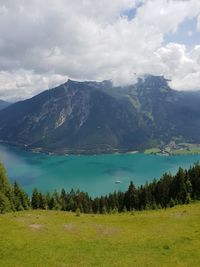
164 151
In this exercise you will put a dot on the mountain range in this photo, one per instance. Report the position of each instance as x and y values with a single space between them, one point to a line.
97 117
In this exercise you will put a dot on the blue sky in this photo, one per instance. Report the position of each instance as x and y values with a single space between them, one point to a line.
129 13
186 34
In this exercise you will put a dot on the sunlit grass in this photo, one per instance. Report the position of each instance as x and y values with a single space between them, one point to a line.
152 151
53 238
185 151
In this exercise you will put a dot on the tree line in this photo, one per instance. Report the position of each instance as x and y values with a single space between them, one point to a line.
168 191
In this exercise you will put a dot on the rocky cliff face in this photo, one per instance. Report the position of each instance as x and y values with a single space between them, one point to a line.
92 117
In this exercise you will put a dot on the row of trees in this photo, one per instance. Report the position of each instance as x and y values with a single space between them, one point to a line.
12 198
166 192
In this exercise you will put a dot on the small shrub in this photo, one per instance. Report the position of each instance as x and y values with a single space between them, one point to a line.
114 211
78 212
104 211
188 199
172 203
133 212
166 247
124 209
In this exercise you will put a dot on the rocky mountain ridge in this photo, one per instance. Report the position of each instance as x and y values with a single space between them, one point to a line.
96 117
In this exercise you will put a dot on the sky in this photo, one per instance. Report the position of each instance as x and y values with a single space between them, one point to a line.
43 43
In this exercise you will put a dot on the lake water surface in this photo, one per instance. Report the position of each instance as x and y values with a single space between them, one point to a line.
94 174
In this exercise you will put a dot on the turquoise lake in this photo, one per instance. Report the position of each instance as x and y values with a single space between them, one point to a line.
94 174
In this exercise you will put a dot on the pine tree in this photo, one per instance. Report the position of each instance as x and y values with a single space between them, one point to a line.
21 198
6 192
4 183
131 197
42 201
194 177
178 188
63 200
5 205
78 212
35 201
162 192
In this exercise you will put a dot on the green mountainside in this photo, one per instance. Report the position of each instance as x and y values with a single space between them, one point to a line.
96 117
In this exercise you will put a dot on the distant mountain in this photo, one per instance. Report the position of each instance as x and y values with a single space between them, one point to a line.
3 104
94 117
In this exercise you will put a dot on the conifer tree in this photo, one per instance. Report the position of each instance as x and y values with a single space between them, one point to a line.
131 197
5 205
35 201
6 192
21 198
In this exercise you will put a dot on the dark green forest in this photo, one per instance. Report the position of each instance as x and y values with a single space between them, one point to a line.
168 191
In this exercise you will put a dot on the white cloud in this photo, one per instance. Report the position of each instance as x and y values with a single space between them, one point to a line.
166 15
180 66
14 85
90 39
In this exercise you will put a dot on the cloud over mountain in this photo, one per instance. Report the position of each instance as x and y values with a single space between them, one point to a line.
42 43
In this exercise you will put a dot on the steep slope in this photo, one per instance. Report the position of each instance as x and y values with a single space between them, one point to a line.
3 104
94 117
169 114
74 117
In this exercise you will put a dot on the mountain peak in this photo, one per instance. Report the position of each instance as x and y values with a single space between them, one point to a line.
153 83
91 84
94 117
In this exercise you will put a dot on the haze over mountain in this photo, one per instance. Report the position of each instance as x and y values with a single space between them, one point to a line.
4 104
93 117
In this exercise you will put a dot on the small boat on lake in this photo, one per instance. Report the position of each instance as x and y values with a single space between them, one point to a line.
118 182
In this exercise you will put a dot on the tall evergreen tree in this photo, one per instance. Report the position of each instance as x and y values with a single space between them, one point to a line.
6 192
131 197
194 177
5 205
35 200
21 198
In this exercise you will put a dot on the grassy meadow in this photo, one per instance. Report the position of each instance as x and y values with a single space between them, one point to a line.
152 151
54 238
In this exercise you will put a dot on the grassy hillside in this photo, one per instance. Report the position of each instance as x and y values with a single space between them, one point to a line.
53 238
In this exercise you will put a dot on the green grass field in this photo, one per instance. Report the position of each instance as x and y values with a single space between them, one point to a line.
152 151
194 150
53 238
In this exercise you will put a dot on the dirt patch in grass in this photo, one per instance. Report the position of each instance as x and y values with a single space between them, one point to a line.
180 214
106 231
36 226
21 219
68 226
28 217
